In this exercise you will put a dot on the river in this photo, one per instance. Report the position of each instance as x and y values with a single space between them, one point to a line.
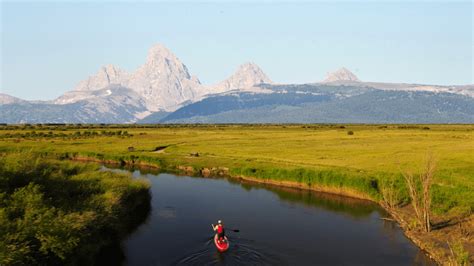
277 226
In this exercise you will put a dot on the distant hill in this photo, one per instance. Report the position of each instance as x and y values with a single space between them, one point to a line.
111 105
153 118
326 104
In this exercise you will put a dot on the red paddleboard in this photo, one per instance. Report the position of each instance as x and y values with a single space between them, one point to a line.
222 245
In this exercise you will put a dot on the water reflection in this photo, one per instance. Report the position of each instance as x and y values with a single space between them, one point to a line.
331 202
114 253
277 225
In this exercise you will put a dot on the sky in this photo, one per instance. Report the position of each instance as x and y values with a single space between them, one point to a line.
49 47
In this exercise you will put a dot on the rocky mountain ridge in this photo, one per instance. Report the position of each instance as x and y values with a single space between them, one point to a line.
163 81
163 85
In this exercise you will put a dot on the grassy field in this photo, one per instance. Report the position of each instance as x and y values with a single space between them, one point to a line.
317 155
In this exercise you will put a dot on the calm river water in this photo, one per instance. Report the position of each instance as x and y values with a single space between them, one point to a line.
278 226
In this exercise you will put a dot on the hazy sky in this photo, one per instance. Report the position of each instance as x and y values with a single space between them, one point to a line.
48 47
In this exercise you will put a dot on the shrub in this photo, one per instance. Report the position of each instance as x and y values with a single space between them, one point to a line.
58 212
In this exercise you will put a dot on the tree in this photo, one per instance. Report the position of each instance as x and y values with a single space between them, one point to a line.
419 189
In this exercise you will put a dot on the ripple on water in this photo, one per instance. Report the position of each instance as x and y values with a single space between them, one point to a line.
241 252
167 212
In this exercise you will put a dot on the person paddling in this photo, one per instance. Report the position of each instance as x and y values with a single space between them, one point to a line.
219 228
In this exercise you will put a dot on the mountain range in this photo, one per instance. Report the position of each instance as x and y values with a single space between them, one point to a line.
163 91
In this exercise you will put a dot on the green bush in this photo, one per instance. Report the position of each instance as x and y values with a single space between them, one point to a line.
58 212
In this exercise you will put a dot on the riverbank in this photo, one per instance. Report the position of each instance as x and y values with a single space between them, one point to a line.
316 157
437 244
336 229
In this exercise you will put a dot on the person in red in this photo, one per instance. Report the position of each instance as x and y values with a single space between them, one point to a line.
219 228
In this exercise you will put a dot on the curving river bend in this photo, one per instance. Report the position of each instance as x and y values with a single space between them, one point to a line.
278 226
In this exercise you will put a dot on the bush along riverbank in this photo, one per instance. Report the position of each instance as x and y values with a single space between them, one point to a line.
449 241
61 212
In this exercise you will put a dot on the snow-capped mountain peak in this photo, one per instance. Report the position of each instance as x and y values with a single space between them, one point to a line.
342 74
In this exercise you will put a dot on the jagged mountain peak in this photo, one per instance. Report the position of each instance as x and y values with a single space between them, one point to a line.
160 61
253 71
247 75
164 81
342 74
110 68
245 78
248 66
159 51
108 74
113 73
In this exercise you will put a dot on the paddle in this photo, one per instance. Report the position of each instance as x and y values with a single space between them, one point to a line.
233 230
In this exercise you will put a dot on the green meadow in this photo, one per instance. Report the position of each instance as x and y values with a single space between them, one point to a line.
359 158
